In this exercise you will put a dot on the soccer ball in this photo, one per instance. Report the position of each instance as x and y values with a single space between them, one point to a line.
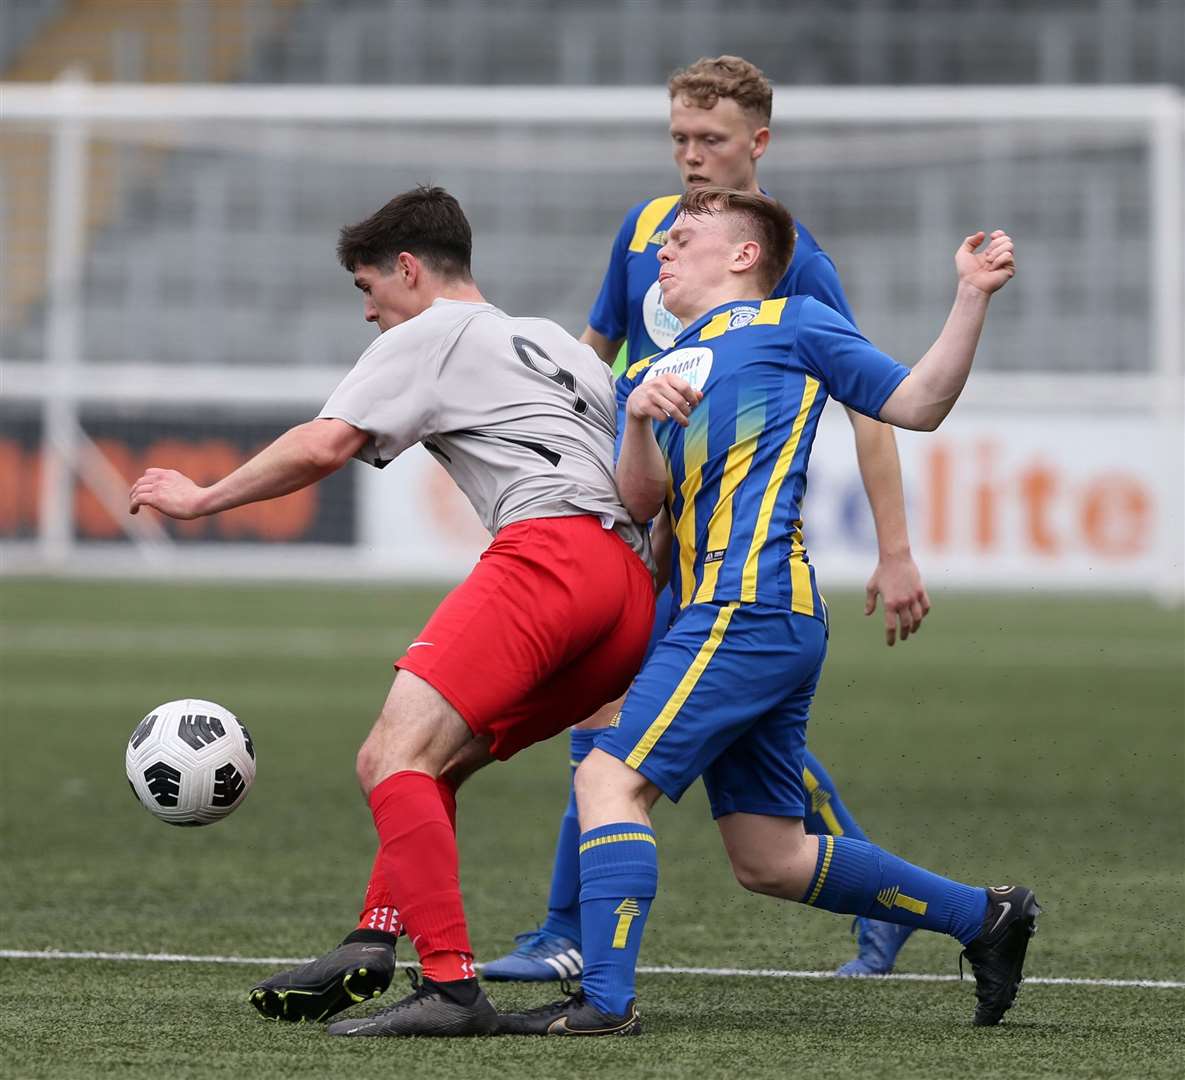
190 762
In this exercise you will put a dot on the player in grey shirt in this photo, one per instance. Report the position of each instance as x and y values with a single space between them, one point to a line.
552 622
520 414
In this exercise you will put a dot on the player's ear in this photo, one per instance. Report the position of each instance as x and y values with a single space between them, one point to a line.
746 257
407 266
760 142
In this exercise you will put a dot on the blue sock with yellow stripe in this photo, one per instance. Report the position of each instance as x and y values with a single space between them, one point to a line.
853 877
826 812
563 903
618 880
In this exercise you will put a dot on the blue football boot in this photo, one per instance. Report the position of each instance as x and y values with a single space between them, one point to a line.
878 944
538 956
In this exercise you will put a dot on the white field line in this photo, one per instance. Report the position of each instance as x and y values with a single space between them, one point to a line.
727 973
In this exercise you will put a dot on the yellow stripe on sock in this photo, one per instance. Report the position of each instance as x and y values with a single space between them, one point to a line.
893 897
821 803
627 911
918 907
830 842
615 838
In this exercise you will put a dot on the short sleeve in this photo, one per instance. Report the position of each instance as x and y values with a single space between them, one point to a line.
610 313
391 392
854 371
819 278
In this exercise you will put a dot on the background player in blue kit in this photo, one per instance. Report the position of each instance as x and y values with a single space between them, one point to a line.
720 112
718 431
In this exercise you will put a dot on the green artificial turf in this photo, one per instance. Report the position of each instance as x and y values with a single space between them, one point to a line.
1021 738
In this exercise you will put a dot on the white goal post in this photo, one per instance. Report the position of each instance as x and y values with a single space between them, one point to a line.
82 373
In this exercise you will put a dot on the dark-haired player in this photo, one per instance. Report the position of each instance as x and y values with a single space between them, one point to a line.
717 431
551 623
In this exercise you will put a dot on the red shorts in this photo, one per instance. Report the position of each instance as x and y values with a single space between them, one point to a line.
551 624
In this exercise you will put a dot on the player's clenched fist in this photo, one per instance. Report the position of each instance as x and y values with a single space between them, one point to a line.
168 491
665 397
990 269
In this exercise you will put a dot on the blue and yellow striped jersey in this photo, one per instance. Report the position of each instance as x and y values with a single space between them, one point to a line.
736 474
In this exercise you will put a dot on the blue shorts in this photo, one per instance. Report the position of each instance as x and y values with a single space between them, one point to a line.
726 695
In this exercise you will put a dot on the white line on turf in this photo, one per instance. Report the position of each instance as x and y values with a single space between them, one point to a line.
728 973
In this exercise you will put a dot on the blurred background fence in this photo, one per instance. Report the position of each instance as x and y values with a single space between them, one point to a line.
175 172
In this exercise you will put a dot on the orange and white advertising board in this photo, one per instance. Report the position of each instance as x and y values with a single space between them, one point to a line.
996 501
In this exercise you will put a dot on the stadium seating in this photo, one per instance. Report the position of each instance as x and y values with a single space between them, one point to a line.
185 242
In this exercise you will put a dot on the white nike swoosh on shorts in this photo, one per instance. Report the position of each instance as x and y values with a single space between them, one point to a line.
417 644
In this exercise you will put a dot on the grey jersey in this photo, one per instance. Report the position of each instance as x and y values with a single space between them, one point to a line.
520 413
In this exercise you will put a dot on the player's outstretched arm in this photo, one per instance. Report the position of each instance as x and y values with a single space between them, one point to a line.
641 467
925 397
896 579
301 456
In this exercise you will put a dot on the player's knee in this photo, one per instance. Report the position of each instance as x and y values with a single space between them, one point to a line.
366 766
468 760
593 776
608 788
758 876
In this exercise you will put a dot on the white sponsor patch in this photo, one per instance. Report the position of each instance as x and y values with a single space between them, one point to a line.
660 324
693 364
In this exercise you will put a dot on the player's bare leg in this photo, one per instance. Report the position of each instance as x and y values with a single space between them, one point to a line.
472 757
417 730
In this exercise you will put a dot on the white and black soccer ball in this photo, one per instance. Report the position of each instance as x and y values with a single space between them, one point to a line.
190 762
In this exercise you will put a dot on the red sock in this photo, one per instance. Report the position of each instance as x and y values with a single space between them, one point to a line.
448 796
418 861
378 907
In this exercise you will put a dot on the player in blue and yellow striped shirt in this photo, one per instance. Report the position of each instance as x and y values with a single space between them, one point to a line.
720 111
717 433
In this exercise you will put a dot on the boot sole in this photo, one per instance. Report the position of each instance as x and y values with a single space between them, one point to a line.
483 1023
313 1004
